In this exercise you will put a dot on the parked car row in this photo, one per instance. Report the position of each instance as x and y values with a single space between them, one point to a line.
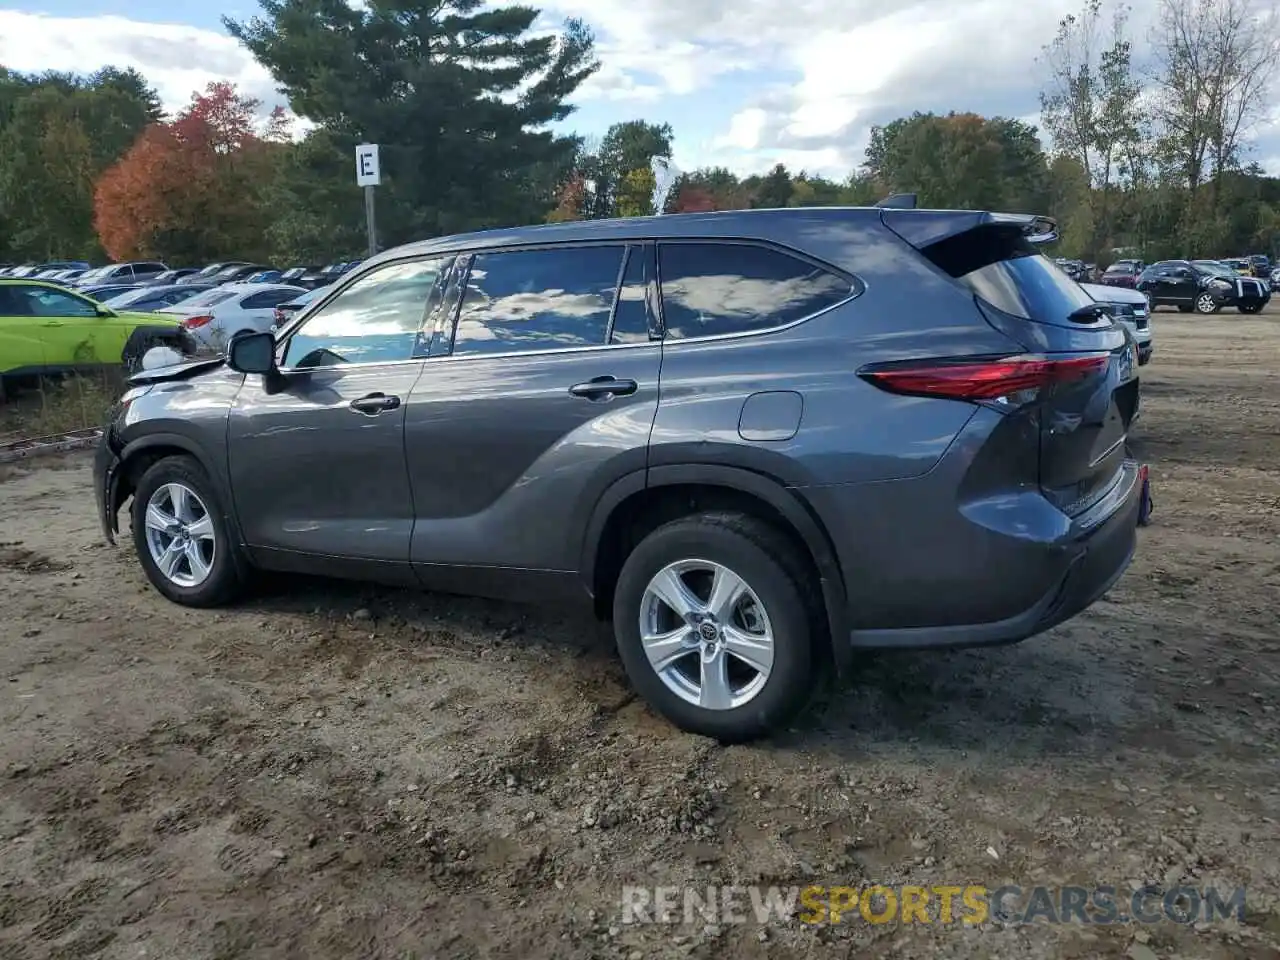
113 279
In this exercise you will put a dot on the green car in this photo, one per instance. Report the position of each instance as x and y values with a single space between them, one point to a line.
47 329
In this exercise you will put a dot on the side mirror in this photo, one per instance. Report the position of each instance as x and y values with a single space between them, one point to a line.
252 353
103 310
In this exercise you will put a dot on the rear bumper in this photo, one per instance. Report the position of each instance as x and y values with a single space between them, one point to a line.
1091 555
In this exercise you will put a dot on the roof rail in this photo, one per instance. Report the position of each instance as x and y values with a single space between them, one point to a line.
899 201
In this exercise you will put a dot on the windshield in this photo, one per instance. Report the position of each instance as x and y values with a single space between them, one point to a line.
1213 268
127 298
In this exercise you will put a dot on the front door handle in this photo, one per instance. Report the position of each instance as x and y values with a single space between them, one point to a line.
604 388
374 404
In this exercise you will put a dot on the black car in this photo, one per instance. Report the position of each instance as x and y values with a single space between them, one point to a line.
1205 286
207 273
234 273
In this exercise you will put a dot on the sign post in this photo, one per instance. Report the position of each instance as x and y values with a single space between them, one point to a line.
369 175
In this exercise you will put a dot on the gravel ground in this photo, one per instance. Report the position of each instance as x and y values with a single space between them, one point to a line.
332 771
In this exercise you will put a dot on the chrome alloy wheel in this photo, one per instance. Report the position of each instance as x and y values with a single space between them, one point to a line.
180 535
706 634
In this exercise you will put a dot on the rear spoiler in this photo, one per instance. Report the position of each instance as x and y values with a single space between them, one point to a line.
924 228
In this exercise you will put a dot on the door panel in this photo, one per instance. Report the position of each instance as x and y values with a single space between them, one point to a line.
501 453
506 443
317 454
311 474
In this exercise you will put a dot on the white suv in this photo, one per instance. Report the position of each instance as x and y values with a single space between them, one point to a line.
1131 308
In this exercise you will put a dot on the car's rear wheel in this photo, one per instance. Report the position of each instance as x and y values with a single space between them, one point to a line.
715 626
182 535
1206 304
1250 308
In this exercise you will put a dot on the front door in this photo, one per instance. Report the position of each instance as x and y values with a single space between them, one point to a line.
317 455
541 395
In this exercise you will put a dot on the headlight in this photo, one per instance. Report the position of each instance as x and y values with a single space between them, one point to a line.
1220 283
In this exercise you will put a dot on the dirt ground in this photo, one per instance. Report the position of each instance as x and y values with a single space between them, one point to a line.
334 771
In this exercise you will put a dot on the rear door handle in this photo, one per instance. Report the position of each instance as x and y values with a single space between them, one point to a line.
604 388
374 404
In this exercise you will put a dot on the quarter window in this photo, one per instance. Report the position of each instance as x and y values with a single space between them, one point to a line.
377 319
711 289
630 317
538 299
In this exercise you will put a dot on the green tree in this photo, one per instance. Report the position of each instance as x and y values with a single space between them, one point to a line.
961 161
459 95
775 188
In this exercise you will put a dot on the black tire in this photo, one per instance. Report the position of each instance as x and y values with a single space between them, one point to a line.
1251 308
228 573
772 568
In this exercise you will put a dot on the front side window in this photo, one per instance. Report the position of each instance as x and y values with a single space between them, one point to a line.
711 289
377 319
538 299
44 302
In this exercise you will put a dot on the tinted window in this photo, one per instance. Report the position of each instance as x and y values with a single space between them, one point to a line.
267 298
1002 268
710 289
538 299
630 319
377 319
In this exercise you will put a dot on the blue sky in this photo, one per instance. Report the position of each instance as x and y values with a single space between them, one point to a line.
744 83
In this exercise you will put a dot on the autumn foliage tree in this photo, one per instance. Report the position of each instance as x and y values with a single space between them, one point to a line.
190 190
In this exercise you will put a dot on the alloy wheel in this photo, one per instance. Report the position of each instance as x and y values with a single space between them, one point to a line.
1206 304
180 535
706 634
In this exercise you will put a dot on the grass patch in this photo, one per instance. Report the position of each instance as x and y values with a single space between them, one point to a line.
54 405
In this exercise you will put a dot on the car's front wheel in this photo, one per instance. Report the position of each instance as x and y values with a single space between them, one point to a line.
1250 308
715 625
1206 304
182 535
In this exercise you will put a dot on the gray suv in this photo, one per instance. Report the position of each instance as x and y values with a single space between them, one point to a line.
758 441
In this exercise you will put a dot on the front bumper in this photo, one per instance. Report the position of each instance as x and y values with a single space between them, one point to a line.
106 479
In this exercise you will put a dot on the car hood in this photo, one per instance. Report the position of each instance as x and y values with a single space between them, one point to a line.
179 371
1114 294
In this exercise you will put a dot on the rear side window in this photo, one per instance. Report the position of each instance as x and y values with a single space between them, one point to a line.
1006 271
712 289
538 300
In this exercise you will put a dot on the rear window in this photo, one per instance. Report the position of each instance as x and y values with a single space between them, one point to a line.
1006 271
210 298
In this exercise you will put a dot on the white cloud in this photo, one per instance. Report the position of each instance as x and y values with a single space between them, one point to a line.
178 60
746 83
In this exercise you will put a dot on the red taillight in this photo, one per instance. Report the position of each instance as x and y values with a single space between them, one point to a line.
984 379
201 321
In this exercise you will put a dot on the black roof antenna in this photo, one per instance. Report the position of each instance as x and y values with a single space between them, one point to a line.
899 201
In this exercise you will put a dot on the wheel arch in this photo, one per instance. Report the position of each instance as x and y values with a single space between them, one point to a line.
137 456
642 500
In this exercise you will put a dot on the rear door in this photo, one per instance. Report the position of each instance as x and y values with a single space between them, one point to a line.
1083 418
541 394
